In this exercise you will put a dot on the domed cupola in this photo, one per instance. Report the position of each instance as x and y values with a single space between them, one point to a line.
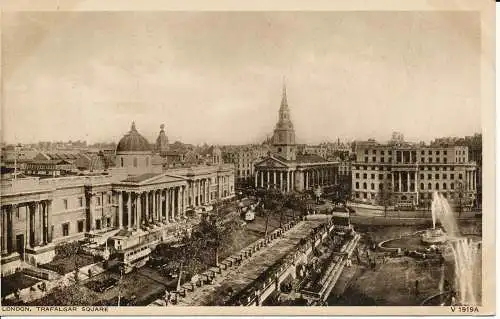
134 153
133 142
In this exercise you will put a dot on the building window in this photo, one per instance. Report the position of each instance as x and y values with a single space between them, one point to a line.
366 159
366 152
65 203
422 186
437 186
381 186
445 176
135 161
422 176
121 161
430 152
429 186
437 159
452 176
429 176
357 195
80 226
80 201
98 224
364 185
445 160
357 175
422 153
357 185
382 152
373 186
430 159
364 175
452 186
382 159
437 176
380 176
445 152
98 201
437 152
459 176
65 229
373 176
364 195
108 221
444 185
388 175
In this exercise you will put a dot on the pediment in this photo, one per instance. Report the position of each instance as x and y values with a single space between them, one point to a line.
271 162
164 178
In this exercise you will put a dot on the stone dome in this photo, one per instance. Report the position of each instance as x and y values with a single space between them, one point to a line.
133 142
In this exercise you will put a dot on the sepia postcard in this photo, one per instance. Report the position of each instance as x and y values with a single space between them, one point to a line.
247 158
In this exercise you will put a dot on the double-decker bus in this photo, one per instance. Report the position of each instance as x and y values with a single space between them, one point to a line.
134 257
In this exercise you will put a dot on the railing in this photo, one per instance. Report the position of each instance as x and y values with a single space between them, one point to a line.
279 268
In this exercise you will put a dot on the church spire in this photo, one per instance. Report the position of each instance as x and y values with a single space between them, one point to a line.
284 102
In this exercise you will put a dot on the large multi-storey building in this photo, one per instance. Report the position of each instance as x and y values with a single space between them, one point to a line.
411 173
38 213
244 159
288 170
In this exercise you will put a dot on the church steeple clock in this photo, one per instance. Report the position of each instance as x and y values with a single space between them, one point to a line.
284 133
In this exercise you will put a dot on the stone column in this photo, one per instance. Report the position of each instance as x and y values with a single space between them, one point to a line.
400 182
49 220
178 199
408 181
392 181
38 221
288 174
167 208
92 212
475 180
129 210
256 173
198 195
183 208
147 213
43 224
10 231
139 210
261 178
470 180
120 209
4 230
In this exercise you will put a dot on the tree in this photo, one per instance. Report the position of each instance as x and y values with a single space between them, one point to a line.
272 202
385 195
295 202
70 250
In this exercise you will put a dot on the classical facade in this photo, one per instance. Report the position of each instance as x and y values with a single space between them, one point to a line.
285 168
39 213
411 173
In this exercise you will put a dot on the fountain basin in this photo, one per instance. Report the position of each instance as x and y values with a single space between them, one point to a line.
440 299
434 236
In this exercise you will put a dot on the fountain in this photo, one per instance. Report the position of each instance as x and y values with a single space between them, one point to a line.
461 251
435 235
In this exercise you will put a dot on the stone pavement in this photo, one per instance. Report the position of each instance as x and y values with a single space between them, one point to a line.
251 268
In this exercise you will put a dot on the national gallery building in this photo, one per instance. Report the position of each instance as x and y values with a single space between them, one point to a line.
139 194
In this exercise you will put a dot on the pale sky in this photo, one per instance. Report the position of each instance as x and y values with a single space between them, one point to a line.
217 77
